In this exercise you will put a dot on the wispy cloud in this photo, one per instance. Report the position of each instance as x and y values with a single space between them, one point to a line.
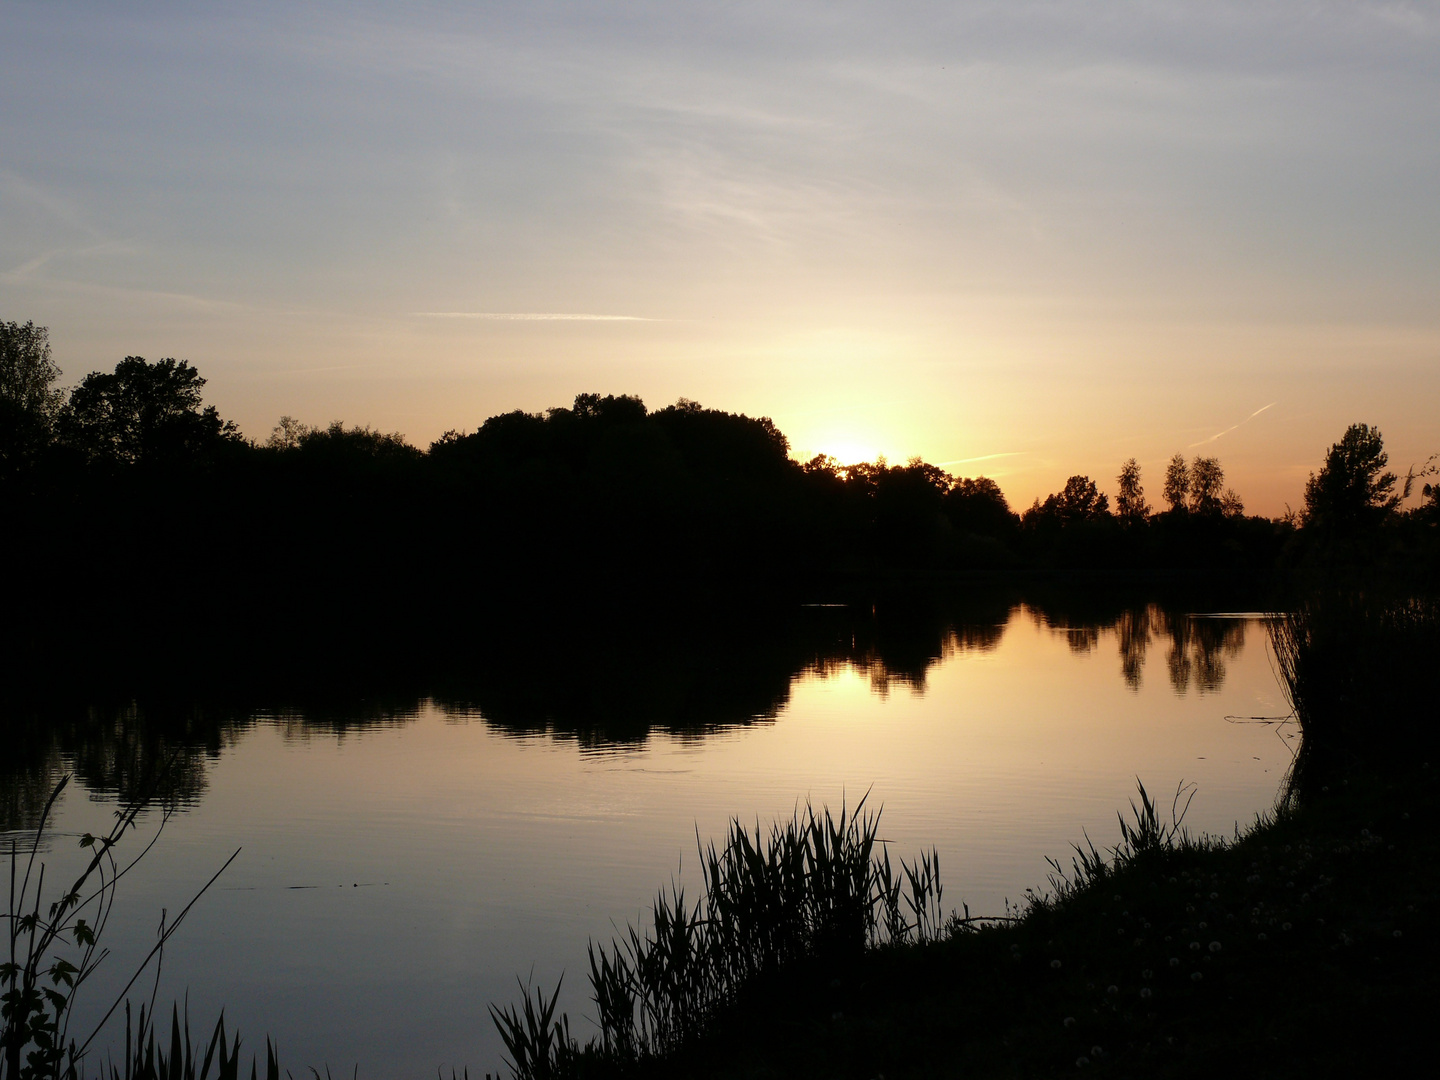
311 370
174 300
1232 427
982 457
531 316
42 198
30 269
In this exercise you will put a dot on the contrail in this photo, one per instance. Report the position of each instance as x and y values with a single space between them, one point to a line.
531 316
1227 431
982 457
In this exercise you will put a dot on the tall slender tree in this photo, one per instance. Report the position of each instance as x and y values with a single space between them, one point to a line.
1130 498
1177 482
1207 485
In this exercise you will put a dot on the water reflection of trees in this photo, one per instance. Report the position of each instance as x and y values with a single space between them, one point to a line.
157 752
600 681
689 678
894 647
1196 646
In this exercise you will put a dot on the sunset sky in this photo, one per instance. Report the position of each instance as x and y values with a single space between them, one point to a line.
1018 239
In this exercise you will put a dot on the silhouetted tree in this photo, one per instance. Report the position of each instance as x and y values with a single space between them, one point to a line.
905 506
1177 482
711 441
1429 510
1130 502
623 409
1207 483
979 506
330 474
1059 526
287 434
143 412
1352 492
1080 500
28 401
352 443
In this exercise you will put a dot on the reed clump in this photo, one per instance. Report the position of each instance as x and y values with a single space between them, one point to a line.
1302 946
1358 669
1145 840
145 1060
819 888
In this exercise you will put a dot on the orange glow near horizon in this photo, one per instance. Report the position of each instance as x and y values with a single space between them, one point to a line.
1014 239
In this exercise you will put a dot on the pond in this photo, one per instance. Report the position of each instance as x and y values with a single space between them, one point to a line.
404 860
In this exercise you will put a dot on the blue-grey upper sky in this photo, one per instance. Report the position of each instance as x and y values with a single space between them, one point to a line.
1028 239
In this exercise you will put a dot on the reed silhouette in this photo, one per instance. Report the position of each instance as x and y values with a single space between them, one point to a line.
817 890
1357 667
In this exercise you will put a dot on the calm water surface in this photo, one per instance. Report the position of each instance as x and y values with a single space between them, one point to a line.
399 872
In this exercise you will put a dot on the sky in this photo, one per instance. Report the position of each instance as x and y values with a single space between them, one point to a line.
1021 240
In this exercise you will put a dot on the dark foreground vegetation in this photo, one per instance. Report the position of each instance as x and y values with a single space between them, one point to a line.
1304 947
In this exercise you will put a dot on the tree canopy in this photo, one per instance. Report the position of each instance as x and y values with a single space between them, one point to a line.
1130 502
1207 484
143 412
28 399
1080 500
1353 491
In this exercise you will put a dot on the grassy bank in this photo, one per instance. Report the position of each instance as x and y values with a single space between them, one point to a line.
1304 945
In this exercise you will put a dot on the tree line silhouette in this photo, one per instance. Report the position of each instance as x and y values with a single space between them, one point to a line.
129 502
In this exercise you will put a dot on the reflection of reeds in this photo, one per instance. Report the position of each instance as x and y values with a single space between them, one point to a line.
1356 669
820 887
